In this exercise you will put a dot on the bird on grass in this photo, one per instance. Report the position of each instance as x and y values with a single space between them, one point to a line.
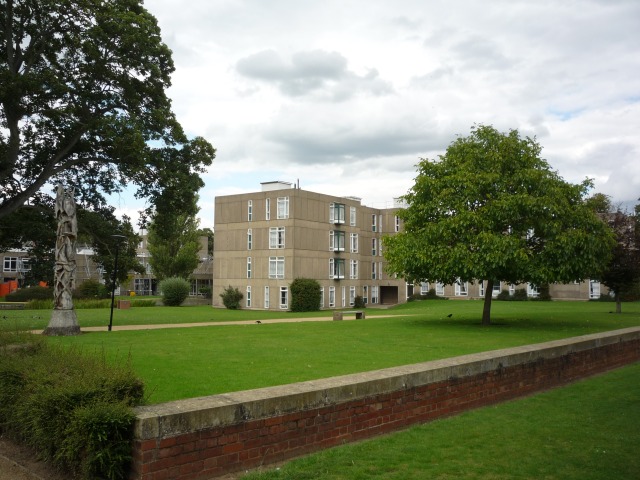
450 315
258 321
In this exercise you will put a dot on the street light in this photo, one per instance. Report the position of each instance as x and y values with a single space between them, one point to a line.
118 239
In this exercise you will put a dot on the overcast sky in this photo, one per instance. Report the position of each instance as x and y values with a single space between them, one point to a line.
347 96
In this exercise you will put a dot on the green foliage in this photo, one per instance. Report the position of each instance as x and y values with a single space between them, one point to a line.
231 297
91 289
206 292
72 408
96 116
491 208
305 295
430 295
504 295
174 291
359 302
86 303
31 293
520 295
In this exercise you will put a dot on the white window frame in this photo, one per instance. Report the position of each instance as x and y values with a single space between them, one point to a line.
352 216
352 296
373 271
354 243
424 288
283 208
374 247
374 294
276 267
344 297
365 294
276 238
440 289
321 297
284 298
336 213
497 288
374 223
337 240
462 288
353 269
249 272
594 289
336 268
267 302
532 290
267 209
397 223
249 239
250 210
248 299
332 297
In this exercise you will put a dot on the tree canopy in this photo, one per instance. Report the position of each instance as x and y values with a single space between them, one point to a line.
82 102
491 209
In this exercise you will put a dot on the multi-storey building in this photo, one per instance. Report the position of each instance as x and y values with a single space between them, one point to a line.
266 239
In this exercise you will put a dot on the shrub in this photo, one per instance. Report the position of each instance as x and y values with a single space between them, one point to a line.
206 292
503 295
305 295
359 302
72 408
175 291
91 289
30 293
231 298
520 295
543 293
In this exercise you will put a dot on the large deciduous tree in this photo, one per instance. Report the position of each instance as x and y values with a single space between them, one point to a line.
490 208
82 101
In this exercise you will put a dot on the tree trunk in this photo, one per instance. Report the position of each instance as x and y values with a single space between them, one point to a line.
486 311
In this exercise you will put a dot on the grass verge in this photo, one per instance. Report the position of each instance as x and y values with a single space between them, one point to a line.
589 430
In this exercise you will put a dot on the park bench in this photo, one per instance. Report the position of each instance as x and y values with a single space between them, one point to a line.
12 305
339 315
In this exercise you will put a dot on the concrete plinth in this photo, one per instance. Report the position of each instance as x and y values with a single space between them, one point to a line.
63 323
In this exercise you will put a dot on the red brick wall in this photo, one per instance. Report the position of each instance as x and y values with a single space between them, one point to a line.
248 444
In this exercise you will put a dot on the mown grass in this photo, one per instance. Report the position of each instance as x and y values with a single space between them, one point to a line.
589 430
190 362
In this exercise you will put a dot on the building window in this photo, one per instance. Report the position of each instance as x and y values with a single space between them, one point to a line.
250 210
352 296
374 294
336 268
249 239
512 288
332 297
16 264
344 297
266 298
353 270
283 208
248 267
440 289
284 298
336 213
374 246
397 224
496 289
594 289
248 297
267 209
424 288
336 241
354 243
276 237
373 271
532 290
462 288
365 294
352 216
321 297
276 267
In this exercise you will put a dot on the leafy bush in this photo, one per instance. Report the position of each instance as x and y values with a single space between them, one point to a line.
520 295
543 293
30 293
359 302
305 295
504 295
72 408
175 291
430 295
231 298
91 289
206 292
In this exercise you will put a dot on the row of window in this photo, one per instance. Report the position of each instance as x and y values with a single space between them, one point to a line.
462 289
16 264
336 213
336 268
283 297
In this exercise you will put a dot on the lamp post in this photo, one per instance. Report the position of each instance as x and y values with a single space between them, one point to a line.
118 239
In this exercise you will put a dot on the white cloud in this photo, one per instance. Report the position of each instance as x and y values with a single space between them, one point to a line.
347 96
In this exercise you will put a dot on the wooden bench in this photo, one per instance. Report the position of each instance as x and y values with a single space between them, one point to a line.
12 305
339 315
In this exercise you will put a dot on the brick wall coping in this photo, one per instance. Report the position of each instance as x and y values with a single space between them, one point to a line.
191 415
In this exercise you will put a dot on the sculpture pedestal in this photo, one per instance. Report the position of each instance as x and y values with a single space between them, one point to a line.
63 322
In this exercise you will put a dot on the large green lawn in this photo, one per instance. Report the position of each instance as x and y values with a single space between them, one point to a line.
189 362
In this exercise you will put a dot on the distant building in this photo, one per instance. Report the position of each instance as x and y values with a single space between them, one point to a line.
266 239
